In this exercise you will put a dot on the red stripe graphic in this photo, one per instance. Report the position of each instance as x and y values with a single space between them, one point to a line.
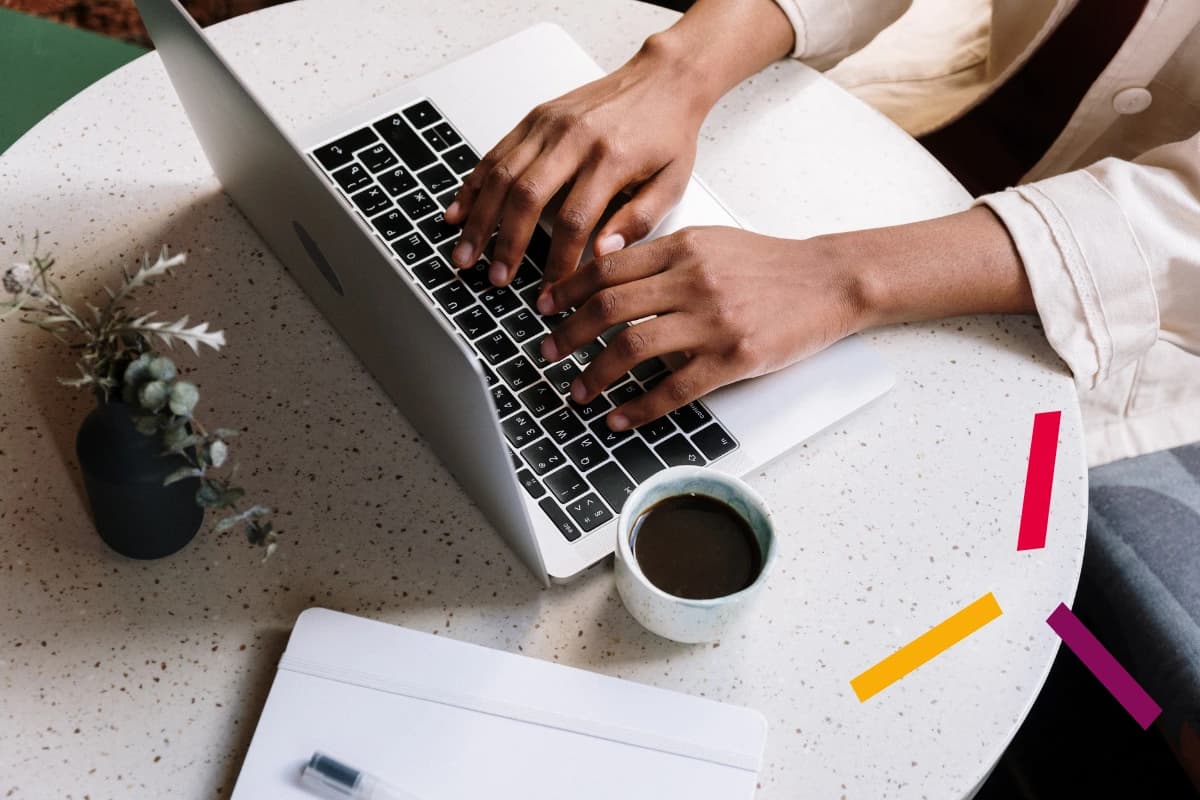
1035 511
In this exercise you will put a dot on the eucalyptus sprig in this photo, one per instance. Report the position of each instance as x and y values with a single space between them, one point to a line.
117 358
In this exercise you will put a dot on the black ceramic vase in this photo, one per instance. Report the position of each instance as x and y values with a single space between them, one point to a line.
123 471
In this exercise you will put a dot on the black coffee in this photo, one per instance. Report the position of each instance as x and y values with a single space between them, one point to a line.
696 547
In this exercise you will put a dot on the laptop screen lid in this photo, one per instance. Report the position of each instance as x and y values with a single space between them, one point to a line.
346 273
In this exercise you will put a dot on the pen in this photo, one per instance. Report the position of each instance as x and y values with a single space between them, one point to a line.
342 780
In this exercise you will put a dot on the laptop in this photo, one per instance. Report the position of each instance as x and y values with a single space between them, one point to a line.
353 208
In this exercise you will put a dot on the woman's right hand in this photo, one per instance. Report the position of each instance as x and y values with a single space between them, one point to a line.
631 131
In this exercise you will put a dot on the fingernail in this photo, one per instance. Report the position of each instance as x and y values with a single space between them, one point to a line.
545 304
498 274
549 351
578 393
463 255
453 209
610 244
618 422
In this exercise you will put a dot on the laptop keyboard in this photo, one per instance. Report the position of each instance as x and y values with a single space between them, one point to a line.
401 174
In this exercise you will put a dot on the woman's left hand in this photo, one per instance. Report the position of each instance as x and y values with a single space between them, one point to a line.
738 304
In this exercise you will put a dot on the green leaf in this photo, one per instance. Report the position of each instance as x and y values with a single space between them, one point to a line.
182 474
217 452
153 395
146 425
225 433
208 495
184 397
233 519
230 496
177 441
162 368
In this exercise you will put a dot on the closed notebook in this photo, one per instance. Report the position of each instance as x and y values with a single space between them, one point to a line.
446 720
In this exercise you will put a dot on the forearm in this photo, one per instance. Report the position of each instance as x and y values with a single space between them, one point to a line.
964 263
719 43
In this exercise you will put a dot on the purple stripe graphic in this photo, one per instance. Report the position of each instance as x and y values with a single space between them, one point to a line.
1101 663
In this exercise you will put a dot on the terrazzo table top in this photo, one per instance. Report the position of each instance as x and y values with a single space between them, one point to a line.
125 679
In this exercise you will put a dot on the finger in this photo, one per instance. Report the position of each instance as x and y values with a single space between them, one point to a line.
611 270
658 294
694 380
523 206
649 206
594 189
669 333
464 200
485 212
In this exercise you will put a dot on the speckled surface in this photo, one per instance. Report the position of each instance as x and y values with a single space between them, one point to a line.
122 679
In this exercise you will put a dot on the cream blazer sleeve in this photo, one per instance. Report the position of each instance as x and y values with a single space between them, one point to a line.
829 30
1113 256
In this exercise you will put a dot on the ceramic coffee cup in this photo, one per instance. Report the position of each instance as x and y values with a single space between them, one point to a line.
678 618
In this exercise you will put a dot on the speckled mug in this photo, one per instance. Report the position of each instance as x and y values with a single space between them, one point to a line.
679 618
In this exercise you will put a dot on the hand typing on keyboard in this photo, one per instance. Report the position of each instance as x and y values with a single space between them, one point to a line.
634 130
737 303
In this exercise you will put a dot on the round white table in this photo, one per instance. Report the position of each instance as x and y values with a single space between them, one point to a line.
128 679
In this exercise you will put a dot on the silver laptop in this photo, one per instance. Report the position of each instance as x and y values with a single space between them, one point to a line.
353 209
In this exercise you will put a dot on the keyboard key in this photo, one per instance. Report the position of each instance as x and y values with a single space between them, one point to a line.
436 229
504 402
539 247
397 181
593 410
657 430
437 179
496 347
530 483
565 484
678 453
453 297
500 300
522 325
433 273
476 277
608 437
692 416
612 332
461 159
444 200
371 201
448 134
540 399
412 249
585 452
488 375
527 275
434 139
422 114
391 224
637 460
559 519
518 373
543 456
561 374
377 158
404 140
588 512
520 429
713 441
562 426
342 151
648 369
613 484
417 204
624 393
585 354
352 178
533 349
475 321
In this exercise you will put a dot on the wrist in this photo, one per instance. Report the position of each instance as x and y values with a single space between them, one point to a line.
673 59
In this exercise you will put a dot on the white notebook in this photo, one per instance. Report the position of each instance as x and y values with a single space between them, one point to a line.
447 720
